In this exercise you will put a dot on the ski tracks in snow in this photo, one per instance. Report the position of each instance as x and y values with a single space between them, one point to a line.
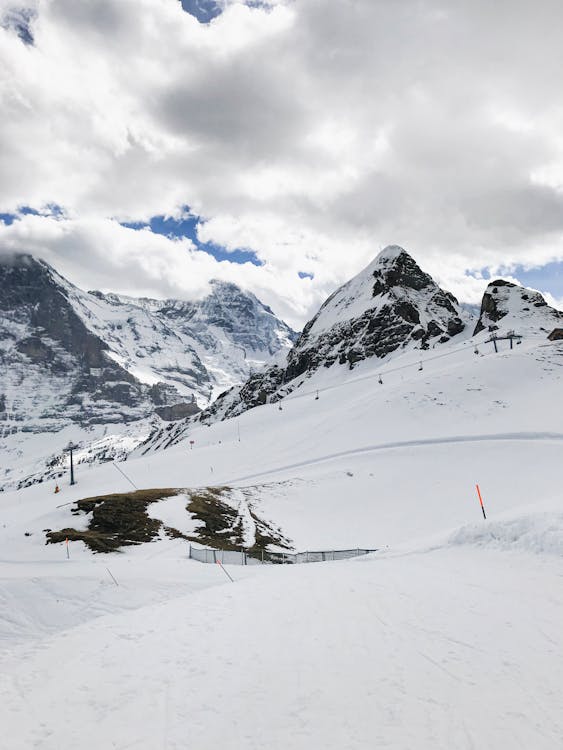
453 439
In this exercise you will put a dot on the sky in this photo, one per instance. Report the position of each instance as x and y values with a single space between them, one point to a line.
148 146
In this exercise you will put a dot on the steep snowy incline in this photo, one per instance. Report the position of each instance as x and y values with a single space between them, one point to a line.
457 396
462 394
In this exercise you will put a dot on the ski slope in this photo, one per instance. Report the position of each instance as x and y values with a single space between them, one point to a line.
448 637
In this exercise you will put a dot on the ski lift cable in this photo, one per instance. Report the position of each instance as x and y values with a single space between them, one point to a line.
408 366
461 348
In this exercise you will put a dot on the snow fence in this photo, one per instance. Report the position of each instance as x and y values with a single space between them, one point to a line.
242 557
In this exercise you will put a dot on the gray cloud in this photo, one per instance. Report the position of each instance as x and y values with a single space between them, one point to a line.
313 132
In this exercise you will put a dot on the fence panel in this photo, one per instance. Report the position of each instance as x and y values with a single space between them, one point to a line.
240 557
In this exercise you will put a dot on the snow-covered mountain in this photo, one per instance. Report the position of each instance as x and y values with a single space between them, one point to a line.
389 307
448 636
199 347
74 362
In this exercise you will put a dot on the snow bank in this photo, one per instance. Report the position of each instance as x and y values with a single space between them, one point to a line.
539 533
172 512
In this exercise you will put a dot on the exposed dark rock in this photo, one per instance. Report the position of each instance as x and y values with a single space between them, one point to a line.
177 411
505 300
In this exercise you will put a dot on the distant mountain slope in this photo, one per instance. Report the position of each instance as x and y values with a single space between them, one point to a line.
80 361
54 370
199 347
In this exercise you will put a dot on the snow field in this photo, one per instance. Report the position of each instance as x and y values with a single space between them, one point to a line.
449 637
428 650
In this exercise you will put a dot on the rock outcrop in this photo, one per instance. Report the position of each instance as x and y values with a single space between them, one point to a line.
510 306
389 305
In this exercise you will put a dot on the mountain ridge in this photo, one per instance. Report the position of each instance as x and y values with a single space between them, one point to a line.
391 306
74 363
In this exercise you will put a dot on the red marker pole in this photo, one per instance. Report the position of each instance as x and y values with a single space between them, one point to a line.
481 501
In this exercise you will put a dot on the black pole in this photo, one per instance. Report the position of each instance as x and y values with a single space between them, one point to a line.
71 468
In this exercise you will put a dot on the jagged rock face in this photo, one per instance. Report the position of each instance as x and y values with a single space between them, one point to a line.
71 357
52 367
248 323
259 389
177 411
200 347
515 307
389 305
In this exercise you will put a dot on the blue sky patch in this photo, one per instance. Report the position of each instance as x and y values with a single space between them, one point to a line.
50 210
19 20
547 278
305 275
204 10
186 227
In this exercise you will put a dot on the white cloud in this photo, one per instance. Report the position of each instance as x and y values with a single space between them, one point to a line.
102 254
313 133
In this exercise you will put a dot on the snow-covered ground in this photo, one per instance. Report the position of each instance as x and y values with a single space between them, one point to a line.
450 636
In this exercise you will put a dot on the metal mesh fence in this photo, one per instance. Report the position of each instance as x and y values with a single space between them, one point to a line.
242 557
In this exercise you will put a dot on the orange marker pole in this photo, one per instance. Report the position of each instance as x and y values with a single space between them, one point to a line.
67 551
481 501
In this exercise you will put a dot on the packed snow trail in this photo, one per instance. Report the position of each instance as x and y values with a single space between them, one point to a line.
506 436
429 651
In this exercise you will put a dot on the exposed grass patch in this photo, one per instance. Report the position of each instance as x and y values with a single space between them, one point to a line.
119 520
98 542
219 520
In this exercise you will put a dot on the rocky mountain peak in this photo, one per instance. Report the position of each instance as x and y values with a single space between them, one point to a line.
509 305
394 267
390 305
